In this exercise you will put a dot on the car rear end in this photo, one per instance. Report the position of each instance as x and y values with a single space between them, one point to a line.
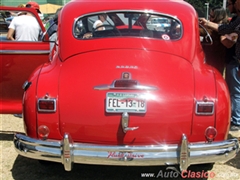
126 99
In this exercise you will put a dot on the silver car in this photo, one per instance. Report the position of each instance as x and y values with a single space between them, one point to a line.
158 24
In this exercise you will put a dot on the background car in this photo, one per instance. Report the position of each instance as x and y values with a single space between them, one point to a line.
158 24
18 59
126 95
3 23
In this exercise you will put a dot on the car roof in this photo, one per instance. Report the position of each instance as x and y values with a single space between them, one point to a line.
77 8
95 5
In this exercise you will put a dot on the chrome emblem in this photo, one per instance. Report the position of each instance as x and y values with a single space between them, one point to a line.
126 75
126 67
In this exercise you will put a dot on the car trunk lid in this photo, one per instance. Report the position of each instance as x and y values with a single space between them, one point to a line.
87 79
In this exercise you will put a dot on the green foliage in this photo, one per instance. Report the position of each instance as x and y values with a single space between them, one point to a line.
201 7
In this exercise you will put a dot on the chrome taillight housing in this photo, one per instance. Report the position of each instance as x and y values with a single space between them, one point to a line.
204 108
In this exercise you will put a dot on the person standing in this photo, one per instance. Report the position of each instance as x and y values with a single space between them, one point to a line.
215 54
24 27
52 30
227 29
21 5
34 5
232 68
232 34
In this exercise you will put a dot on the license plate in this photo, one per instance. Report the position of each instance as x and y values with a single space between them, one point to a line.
125 102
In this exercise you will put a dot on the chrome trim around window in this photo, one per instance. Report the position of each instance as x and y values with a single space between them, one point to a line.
24 51
127 10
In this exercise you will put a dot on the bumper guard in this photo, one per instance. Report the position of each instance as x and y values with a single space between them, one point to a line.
67 152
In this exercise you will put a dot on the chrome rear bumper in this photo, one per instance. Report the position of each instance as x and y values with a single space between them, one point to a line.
67 152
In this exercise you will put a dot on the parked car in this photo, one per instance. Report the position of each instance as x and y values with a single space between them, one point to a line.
3 24
126 95
18 60
158 24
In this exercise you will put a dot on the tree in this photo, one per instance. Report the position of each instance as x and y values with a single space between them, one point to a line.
201 7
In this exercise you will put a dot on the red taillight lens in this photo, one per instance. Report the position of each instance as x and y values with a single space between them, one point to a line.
210 133
204 108
125 83
47 105
43 131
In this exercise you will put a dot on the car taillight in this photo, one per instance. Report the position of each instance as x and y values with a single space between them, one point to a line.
47 105
210 133
204 108
43 131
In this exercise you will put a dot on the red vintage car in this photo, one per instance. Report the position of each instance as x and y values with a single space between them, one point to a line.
123 93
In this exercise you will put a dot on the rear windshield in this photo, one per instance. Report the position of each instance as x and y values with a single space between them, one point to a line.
122 24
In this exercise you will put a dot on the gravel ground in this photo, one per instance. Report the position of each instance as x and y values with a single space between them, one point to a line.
13 166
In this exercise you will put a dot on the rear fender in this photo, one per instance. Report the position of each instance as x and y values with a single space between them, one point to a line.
29 104
47 86
223 110
205 88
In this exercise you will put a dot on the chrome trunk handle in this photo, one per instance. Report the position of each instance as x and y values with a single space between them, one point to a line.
125 121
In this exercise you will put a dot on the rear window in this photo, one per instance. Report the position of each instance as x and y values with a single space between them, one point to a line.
132 24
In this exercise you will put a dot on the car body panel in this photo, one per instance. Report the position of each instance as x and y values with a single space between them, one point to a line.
18 60
93 107
191 38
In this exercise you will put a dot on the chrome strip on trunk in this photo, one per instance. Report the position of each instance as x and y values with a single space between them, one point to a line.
137 87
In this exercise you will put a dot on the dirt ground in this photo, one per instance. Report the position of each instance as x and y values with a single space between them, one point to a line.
15 167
